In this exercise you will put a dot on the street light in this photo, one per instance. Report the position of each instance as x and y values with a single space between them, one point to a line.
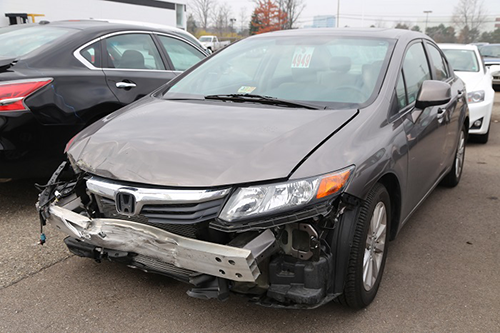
426 12
338 12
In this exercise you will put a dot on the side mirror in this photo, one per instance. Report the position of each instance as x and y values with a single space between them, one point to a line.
432 93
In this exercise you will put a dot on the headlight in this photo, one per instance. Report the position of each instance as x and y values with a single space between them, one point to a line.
252 201
475 96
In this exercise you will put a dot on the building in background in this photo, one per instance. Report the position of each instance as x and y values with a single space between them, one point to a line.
323 21
171 13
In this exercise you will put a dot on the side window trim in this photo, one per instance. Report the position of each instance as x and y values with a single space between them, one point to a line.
163 52
404 85
411 44
446 65
156 33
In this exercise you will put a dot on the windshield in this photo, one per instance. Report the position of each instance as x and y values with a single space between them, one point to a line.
205 39
327 71
490 51
19 41
462 60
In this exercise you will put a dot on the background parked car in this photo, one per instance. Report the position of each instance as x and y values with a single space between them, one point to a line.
58 77
212 43
279 168
491 56
468 65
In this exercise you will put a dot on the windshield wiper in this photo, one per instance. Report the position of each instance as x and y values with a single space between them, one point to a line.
263 99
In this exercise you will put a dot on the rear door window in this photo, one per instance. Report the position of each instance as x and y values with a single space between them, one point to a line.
440 66
133 51
181 54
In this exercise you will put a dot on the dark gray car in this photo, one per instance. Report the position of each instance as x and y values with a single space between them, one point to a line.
278 168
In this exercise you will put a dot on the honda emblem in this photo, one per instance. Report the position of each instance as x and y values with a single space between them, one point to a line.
125 203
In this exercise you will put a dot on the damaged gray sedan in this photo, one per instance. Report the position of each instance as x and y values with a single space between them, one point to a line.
278 168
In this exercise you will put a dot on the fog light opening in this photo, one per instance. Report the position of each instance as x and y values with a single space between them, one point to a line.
477 123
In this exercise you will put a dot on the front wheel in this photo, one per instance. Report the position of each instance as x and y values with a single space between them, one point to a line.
368 250
453 177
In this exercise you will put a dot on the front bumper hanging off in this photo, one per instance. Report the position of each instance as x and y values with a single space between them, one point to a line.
228 262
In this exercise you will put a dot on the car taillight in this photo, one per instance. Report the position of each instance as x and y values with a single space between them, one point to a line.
13 93
70 142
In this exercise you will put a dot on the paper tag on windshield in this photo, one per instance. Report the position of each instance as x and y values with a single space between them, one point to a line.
302 57
246 90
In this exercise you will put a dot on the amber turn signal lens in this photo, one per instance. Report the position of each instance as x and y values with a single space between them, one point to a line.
332 183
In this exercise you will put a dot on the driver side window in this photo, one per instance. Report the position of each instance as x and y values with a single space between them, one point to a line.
415 70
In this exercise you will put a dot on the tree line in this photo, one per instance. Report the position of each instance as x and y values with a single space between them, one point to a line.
469 16
214 17
210 16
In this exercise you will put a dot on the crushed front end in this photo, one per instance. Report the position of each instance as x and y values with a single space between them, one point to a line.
279 260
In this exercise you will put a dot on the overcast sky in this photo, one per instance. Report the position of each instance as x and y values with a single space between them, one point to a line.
359 13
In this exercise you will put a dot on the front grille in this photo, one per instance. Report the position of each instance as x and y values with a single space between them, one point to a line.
189 220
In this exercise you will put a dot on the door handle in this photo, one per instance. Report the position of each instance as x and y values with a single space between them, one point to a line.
460 93
125 85
441 112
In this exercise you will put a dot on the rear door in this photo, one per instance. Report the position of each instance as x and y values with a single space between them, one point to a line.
134 66
180 54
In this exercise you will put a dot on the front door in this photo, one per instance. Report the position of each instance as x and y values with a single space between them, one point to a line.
426 132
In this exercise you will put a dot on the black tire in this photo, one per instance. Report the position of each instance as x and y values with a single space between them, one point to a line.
481 138
453 177
355 294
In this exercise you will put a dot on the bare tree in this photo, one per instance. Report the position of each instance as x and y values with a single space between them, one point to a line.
221 18
293 9
202 10
243 17
468 17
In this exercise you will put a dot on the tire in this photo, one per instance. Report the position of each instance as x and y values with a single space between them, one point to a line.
368 250
453 177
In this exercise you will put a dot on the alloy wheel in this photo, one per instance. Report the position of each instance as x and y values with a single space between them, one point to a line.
375 246
459 160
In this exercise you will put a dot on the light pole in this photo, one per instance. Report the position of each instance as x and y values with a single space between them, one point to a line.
426 12
338 12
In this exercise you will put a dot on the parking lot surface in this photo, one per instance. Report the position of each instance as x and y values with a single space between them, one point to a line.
442 274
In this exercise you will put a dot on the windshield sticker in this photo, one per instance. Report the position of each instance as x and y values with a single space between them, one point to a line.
246 90
302 57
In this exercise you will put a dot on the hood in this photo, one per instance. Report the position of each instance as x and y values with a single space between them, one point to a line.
474 80
196 144
491 60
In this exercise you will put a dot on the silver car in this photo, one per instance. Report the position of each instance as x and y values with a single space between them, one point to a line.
278 168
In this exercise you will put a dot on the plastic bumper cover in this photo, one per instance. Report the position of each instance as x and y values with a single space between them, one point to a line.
478 111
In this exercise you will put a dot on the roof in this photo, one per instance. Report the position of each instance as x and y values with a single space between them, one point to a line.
354 32
458 47
105 25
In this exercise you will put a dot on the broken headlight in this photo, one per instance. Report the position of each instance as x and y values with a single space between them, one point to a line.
247 202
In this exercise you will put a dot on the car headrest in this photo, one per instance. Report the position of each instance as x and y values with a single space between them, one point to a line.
340 64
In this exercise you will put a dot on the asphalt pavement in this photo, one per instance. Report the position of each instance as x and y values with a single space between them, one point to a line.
442 274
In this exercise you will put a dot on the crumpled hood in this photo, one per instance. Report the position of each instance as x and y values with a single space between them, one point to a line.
197 144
